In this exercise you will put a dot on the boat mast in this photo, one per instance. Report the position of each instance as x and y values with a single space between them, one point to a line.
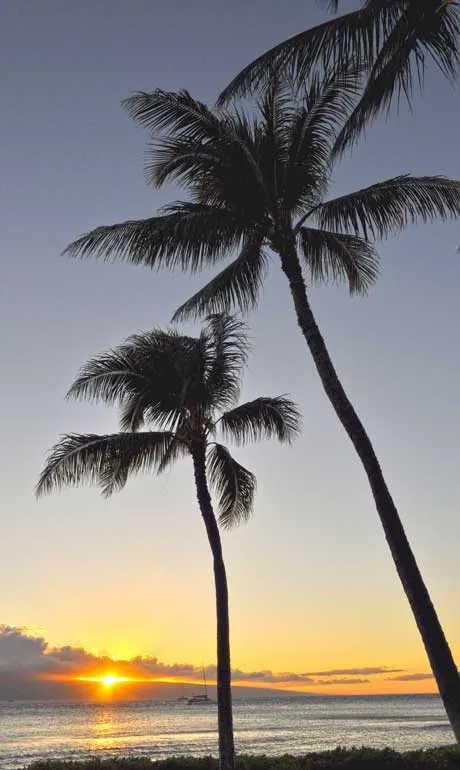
204 681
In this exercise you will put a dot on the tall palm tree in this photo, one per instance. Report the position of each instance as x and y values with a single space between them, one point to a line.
389 41
257 190
188 389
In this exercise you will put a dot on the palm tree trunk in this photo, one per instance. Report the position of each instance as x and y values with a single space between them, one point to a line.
442 663
224 693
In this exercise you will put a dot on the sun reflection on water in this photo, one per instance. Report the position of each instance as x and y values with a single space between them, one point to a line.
104 728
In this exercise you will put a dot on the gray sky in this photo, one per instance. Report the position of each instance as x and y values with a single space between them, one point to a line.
130 574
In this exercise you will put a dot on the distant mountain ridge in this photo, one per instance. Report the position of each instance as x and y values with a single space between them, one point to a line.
23 687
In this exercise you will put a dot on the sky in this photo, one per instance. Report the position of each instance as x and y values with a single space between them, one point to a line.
312 586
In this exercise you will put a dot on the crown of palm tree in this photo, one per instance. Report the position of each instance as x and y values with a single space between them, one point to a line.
390 39
258 181
188 388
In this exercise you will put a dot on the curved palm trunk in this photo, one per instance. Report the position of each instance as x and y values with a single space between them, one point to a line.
438 651
224 693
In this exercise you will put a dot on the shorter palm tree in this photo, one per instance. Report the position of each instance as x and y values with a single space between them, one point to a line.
188 388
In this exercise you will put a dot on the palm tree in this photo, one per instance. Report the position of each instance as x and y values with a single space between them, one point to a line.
387 40
258 189
188 389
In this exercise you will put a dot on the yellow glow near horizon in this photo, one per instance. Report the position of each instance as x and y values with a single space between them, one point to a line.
111 679
374 684
107 680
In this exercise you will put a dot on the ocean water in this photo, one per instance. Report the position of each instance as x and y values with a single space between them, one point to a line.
30 730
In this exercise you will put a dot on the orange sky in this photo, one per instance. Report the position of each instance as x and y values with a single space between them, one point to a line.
311 619
109 682
337 626
27 652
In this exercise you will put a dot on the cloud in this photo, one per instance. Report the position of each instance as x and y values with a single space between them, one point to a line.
355 671
21 651
265 676
409 678
29 664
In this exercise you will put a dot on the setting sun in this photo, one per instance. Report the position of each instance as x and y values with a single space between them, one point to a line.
111 679
107 681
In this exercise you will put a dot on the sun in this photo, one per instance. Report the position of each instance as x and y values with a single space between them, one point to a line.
106 680
110 679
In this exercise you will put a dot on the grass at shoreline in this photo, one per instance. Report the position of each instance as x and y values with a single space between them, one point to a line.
442 758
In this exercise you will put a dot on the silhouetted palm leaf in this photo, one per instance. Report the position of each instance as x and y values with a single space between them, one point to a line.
146 377
389 206
105 461
178 112
233 484
331 5
227 352
114 375
339 257
177 448
262 418
190 237
392 38
312 134
401 60
237 286
346 39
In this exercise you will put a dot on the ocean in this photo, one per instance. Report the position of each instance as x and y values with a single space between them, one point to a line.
30 731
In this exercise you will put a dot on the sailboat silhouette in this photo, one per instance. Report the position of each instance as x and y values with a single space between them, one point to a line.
182 698
201 699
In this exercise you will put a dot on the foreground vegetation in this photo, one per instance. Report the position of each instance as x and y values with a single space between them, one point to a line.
444 758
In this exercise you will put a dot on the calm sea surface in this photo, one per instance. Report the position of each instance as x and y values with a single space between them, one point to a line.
32 731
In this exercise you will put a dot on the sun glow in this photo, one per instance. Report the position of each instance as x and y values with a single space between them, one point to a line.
111 679
108 680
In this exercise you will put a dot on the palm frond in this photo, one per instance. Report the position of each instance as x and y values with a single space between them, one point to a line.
322 48
135 407
189 236
387 207
110 377
235 287
264 417
232 171
105 461
233 485
227 166
146 376
339 257
423 30
226 352
201 150
177 449
187 163
394 78
176 384
269 138
391 39
176 112
315 125
331 5
141 409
